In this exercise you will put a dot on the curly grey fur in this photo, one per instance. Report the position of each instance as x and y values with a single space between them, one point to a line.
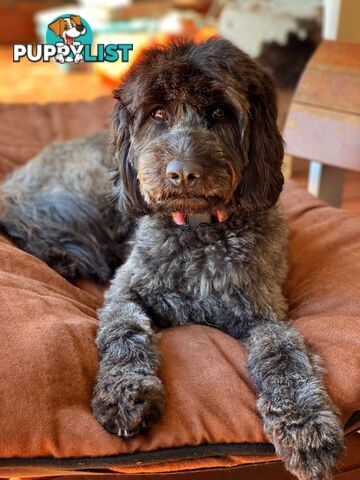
59 207
226 274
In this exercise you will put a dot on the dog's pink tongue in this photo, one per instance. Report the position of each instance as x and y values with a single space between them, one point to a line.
179 218
69 40
220 216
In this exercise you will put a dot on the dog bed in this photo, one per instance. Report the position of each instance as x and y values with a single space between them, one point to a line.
48 359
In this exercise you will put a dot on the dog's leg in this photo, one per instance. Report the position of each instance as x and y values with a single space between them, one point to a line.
60 56
128 395
58 208
298 415
66 230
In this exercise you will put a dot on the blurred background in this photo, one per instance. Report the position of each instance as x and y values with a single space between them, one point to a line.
281 34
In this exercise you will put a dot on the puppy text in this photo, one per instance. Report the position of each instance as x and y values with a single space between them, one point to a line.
72 53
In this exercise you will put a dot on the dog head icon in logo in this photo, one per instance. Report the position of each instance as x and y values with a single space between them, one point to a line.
68 28
74 32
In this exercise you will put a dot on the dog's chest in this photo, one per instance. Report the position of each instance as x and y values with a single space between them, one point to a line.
197 262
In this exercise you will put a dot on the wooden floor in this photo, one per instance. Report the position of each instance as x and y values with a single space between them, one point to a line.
26 82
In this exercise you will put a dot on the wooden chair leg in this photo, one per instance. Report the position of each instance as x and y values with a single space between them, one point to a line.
326 183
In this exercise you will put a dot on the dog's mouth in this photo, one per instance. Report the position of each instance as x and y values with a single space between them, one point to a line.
190 204
199 218
194 210
68 40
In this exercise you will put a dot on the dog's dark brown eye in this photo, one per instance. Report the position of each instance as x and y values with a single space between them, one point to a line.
218 113
66 27
159 114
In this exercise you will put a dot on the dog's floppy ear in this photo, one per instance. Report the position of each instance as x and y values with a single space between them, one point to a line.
56 26
262 177
76 19
126 182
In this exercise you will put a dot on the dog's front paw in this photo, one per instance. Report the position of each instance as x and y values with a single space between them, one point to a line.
310 447
78 58
128 402
60 58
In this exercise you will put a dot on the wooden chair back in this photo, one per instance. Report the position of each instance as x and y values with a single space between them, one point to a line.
323 124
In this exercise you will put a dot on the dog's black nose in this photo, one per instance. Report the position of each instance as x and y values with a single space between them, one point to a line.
79 28
187 173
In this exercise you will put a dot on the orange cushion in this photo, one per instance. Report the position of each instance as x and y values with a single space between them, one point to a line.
48 359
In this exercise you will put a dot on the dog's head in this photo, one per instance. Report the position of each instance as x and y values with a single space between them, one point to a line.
68 28
195 132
